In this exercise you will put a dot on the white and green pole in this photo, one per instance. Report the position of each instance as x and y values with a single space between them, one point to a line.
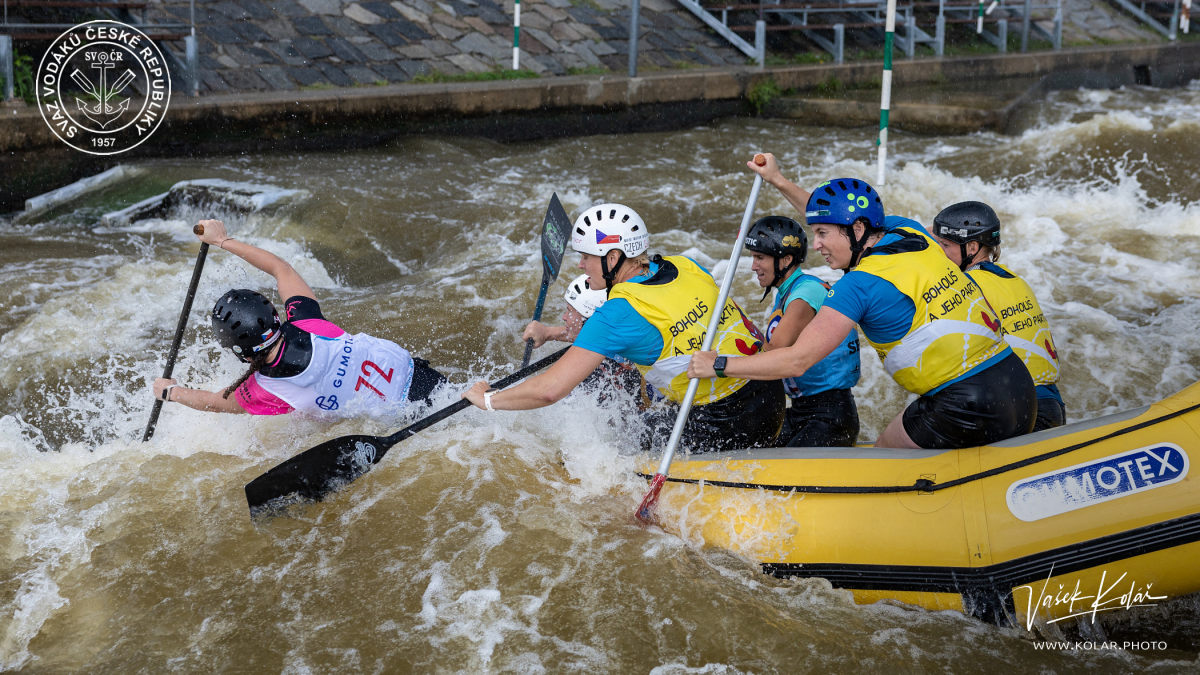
516 34
885 102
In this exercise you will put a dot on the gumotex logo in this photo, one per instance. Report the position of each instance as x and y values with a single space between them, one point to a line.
1097 481
103 87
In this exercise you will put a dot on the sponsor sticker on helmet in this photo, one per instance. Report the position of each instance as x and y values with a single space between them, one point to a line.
1097 481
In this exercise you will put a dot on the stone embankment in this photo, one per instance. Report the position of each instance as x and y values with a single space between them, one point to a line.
284 45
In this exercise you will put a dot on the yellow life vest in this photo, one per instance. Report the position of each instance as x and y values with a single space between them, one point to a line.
953 328
1025 327
679 309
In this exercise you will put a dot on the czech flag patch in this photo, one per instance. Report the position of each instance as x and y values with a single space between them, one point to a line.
602 238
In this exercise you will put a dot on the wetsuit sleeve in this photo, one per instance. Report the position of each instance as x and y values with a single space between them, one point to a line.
305 314
616 330
258 401
300 307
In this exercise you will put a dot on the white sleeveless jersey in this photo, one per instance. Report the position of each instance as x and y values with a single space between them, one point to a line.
346 376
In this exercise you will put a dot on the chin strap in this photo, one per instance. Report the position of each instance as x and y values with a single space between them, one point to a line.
968 261
857 247
780 275
608 274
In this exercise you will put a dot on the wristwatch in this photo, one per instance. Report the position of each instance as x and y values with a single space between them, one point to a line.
719 365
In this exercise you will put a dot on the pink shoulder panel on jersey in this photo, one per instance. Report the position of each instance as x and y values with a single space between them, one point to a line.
258 401
319 327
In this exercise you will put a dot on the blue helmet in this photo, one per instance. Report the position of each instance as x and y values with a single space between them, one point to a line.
842 201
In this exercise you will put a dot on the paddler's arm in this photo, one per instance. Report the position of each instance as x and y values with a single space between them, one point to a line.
199 399
796 195
823 334
287 279
542 389
795 319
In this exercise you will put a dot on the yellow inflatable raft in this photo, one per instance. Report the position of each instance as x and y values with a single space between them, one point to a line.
1092 517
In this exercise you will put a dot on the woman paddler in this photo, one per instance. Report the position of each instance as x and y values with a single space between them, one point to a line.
655 316
306 363
929 322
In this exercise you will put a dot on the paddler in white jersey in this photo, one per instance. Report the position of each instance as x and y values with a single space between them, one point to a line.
306 363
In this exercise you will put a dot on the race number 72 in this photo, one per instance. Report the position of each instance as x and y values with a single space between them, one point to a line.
362 381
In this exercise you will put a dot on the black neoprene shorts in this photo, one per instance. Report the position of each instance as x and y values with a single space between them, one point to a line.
990 406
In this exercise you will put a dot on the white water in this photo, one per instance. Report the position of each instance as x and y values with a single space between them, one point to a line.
503 542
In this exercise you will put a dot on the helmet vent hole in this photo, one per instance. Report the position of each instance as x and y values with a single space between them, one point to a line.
625 219
842 184
829 191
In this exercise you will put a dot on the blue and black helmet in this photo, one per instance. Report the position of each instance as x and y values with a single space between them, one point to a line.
843 201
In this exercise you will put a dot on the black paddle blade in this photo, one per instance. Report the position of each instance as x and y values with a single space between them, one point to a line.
314 473
556 232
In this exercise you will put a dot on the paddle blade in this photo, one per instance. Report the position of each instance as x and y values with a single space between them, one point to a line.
556 232
645 510
316 472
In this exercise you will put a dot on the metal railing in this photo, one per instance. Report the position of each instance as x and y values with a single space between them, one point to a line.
1150 11
119 10
825 22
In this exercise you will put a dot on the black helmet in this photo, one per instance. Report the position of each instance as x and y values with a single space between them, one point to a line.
778 236
968 221
246 322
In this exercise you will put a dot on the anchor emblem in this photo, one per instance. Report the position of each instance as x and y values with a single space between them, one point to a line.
104 111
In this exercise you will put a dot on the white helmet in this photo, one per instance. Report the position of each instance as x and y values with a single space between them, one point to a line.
603 227
582 297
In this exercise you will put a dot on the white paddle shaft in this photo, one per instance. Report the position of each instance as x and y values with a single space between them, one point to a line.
713 321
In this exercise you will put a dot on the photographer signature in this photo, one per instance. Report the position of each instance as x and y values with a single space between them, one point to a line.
1117 595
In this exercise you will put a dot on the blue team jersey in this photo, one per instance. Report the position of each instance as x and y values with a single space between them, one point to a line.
617 330
838 370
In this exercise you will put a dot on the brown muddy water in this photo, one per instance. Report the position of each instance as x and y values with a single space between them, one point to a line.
504 542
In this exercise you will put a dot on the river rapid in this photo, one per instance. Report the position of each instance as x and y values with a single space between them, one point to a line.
502 542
